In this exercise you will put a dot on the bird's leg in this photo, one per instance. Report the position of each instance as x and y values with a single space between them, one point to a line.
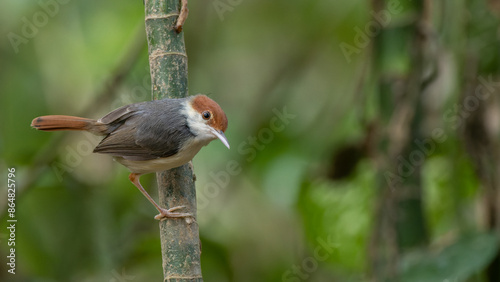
182 15
164 213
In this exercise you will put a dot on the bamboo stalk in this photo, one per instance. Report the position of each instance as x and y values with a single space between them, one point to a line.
180 242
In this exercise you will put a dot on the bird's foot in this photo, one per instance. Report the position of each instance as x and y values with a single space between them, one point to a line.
169 213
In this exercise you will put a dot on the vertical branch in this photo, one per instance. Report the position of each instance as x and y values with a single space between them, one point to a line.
479 133
402 223
180 242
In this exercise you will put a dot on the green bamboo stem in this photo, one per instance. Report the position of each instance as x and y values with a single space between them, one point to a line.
180 241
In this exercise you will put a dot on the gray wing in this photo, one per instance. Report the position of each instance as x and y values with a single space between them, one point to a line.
122 113
145 131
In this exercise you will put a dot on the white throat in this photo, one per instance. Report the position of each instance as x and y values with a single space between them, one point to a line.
198 125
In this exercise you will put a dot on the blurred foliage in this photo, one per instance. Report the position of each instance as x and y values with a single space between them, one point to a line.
283 217
453 262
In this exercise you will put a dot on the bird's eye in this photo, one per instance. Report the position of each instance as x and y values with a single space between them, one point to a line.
206 115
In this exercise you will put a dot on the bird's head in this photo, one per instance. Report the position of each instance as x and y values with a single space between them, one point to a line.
206 119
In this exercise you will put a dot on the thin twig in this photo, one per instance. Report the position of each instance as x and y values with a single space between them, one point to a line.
182 15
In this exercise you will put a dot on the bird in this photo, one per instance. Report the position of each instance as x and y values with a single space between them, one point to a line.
151 136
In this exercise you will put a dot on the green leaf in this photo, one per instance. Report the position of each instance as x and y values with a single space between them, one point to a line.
457 262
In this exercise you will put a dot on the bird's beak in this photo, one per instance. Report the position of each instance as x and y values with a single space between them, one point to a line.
221 136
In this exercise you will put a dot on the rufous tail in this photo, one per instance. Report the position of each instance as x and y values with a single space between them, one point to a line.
58 122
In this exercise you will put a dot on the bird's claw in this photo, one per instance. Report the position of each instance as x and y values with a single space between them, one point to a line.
169 213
